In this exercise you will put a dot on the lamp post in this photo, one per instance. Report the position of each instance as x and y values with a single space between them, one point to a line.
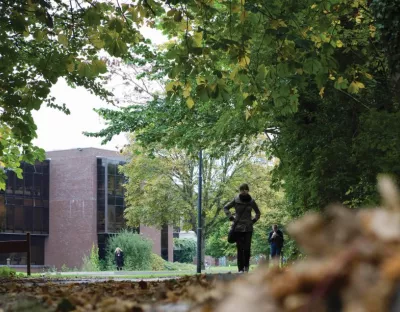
199 219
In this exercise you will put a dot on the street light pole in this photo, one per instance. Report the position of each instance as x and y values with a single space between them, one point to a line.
199 219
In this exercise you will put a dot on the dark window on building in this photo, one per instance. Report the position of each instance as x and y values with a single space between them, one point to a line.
175 233
45 186
19 220
46 167
10 187
45 219
119 217
9 219
3 213
119 201
112 168
37 250
111 219
119 189
38 167
110 200
38 219
26 200
28 168
28 216
101 218
19 186
37 181
102 245
28 184
101 195
101 183
111 185
164 242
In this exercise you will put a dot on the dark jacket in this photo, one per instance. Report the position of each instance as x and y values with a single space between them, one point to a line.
277 240
243 213
119 259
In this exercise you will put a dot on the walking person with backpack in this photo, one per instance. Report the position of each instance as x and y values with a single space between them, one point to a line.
242 226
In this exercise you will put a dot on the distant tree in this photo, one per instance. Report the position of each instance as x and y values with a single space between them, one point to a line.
162 185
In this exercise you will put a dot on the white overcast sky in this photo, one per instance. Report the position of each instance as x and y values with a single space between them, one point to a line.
57 131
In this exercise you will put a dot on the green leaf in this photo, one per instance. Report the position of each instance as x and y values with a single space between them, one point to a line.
197 39
116 47
39 35
63 39
92 17
202 92
190 102
99 66
175 71
341 83
261 72
321 79
283 70
96 41
71 67
116 24
84 70
355 87
312 66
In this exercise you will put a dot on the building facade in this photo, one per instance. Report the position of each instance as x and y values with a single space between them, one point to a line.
24 207
69 202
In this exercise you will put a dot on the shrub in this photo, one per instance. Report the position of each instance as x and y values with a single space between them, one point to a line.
157 263
184 250
7 272
91 263
103 265
64 268
137 251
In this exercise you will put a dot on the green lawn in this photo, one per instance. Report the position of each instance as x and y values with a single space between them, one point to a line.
129 275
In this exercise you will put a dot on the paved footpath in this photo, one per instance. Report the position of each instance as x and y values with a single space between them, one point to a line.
122 273
105 276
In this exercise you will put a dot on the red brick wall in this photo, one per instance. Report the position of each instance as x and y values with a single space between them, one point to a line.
154 235
73 208
170 244
72 213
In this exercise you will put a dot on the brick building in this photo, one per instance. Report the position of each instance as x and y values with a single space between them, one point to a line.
73 199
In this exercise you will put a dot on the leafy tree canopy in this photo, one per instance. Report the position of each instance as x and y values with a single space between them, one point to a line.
43 40
332 151
234 69
162 184
317 77
239 66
